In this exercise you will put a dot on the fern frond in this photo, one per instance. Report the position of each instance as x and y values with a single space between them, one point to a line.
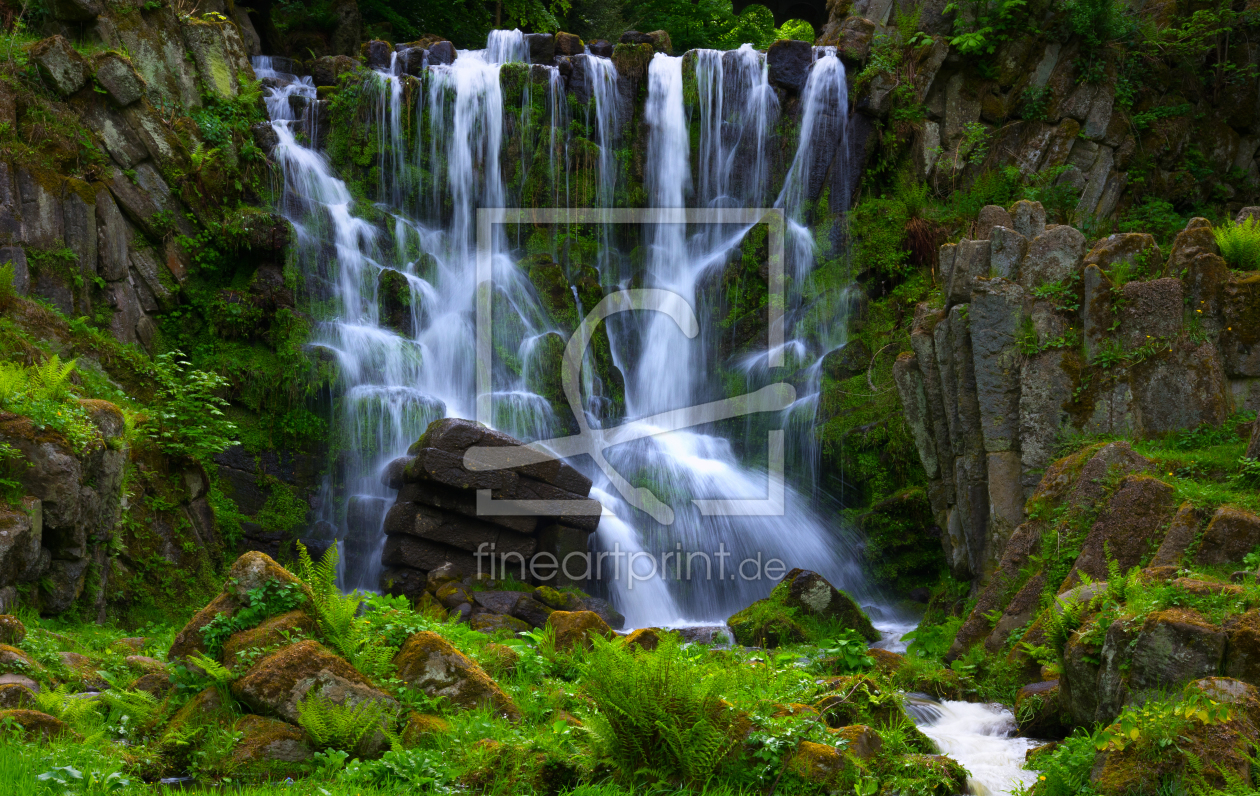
53 375
345 726
220 674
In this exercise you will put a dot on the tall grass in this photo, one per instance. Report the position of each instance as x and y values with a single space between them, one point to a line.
1240 244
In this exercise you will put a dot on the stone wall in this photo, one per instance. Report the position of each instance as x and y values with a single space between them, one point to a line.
106 246
1035 342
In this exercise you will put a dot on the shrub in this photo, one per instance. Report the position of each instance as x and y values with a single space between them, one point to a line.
187 418
656 714
344 727
42 393
1240 244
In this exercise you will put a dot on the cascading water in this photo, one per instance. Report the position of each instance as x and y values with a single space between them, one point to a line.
396 380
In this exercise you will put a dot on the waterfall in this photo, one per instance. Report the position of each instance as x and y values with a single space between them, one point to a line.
443 155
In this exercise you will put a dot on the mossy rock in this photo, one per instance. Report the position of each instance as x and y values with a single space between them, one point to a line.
252 570
493 624
12 631
557 600
277 630
645 638
188 640
15 661
207 707
1242 651
268 746
430 663
278 683
421 729
766 623
15 695
811 594
37 726
576 628
820 764
938 775
499 660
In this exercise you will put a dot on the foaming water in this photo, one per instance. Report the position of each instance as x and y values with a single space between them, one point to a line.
430 187
981 737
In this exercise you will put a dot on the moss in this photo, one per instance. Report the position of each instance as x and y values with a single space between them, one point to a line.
37 726
268 634
433 665
421 729
575 628
903 549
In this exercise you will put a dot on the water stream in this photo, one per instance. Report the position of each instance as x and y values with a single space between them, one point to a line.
396 380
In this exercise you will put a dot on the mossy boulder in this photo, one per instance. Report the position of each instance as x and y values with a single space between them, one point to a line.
1230 535
499 659
1037 711
576 628
557 600
268 746
254 569
643 638
12 631
497 623
429 663
156 684
206 707
422 729
803 607
271 632
278 683
37 726
15 660
860 741
766 623
938 775
819 764
15 695
188 640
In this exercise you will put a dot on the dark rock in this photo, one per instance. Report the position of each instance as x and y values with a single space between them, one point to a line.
403 582
992 216
568 44
851 359
601 47
463 502
531 611
635 37
378 54
499 602
541 47
457 435
409 551
1037 710
265 137
1230 536
76 10
1174 647
789 62
326 70
442 52
661 42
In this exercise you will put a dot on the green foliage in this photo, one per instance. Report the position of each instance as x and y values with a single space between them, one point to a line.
981 25
656 717
931 642
1155 727
1154 216
846 653
61 703
42 393
337 616
1065 770
263 602
7 291
1240 244
341 726
1096 22
187 416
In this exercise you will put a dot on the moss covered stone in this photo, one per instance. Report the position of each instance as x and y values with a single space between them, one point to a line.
37 726
803 607
12 631
643 638
268 746
15 695
252 570
497 623
819 764
188 641
575 628
278 683
421 728
271 632
14 660
430 663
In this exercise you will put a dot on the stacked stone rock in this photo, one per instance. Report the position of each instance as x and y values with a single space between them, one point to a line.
435 519
986 411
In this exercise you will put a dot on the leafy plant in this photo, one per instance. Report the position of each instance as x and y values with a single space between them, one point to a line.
1240 243
981 25
42 393
187 418
344 726
338 619
1156 725
932 641
270 598
846 653
656 716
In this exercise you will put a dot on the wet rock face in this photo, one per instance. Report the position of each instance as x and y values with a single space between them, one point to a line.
789 63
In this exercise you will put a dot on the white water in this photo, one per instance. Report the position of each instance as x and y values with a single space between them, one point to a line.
393 383
980 737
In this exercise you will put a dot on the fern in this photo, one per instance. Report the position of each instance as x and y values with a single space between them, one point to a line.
220 676
54 376
78 711
344 727
657 716
338 616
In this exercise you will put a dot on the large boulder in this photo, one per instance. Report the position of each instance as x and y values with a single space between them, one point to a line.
788 63
1242 650
60 65
278 683
811 594
429 663
1232 534
270 633
576 628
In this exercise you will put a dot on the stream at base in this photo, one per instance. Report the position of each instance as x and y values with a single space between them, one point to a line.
980 736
